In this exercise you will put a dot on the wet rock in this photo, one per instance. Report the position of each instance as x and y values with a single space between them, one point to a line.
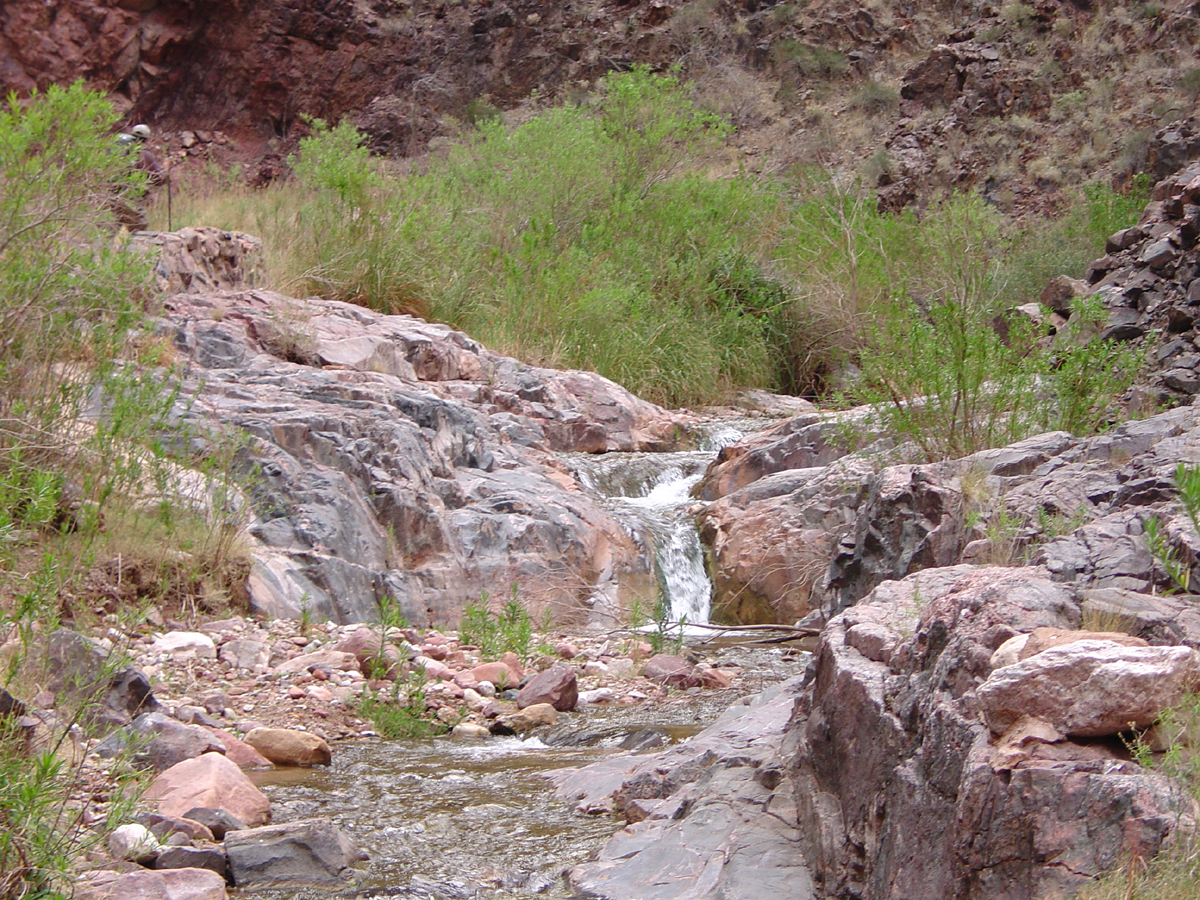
712 816
290 855
1088 688
470 730
556 686
649 738
287 747
211 858
527 719
210 780
172 884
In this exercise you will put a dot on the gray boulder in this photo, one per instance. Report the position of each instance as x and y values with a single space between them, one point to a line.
312 853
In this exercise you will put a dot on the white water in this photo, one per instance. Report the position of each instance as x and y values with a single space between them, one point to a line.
650 494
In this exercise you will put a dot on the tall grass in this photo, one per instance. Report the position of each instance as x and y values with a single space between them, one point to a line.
592 236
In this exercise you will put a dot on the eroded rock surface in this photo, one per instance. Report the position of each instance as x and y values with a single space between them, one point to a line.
389 458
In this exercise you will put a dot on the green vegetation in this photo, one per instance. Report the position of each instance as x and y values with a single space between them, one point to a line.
510 630
400 713
592 236
91 528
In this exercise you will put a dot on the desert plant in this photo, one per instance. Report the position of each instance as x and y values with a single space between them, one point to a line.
400 713
510 630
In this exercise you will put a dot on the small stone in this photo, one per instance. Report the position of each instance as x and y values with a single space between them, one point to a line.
470 730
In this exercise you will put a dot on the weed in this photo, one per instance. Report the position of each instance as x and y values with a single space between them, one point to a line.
402 714
1159 545
496 634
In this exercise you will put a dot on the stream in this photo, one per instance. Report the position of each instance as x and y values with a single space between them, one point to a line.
450 819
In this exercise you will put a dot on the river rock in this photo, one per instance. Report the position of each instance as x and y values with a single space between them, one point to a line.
163 827
534 716
238 751
218 821
171 884
499 674
210 780
245 654
672 671
290 855
211 858
160 741
1088 688
331 660
556 686
287 747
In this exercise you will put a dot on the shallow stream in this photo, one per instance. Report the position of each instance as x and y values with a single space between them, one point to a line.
449 819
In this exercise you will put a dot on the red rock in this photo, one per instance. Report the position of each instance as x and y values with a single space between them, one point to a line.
169 884
511 660
434 669
498 673
211 781
1088 688
715 678
670 671
330 660
566 650
556 686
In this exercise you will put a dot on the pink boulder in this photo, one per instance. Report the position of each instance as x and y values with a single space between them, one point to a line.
211 781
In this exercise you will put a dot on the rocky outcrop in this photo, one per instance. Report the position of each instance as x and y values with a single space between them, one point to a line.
903 764
387 459
802 539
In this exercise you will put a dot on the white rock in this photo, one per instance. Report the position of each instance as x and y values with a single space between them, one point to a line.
469 730
185 645
599 695
132 842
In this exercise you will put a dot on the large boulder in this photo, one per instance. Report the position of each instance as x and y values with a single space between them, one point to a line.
159 742
212 781
1089 688
290 855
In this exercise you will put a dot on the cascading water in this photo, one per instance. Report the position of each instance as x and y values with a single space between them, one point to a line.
649 494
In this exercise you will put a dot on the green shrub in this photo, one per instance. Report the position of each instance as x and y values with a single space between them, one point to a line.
509 631
400 714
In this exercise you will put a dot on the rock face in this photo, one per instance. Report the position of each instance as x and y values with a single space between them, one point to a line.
903 792
394 459
822 538
876 775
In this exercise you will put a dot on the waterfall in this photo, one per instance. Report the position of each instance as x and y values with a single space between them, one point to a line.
649 494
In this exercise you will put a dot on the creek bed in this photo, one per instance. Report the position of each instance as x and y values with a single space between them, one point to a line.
447 819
